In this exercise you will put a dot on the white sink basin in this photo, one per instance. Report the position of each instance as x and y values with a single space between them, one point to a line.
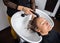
20 23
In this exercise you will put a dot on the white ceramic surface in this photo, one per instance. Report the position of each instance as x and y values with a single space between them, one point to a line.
20 23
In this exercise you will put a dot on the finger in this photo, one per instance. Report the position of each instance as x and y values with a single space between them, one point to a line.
32 14
31 10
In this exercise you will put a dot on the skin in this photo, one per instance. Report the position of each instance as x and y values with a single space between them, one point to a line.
43 26
25 9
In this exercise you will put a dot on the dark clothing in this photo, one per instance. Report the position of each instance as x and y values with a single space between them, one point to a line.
13 4
52 37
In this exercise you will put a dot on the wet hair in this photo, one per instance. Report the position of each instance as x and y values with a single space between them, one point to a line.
32 24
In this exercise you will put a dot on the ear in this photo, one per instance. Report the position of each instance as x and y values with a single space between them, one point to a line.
37 30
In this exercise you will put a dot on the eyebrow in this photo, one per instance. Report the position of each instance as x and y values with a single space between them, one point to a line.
43 22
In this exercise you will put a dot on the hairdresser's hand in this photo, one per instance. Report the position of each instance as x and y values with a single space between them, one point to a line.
26 10
43 26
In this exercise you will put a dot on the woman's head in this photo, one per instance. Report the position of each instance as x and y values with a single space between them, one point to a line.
40 25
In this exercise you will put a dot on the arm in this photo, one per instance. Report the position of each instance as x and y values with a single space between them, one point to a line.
32 4
8 3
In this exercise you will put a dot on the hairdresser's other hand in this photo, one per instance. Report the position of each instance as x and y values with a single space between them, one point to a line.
43 26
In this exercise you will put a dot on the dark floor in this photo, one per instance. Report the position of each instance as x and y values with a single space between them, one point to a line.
5 35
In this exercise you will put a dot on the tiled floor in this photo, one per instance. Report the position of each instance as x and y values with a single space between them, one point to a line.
5 35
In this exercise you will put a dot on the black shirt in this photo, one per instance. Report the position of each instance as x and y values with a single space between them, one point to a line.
12 5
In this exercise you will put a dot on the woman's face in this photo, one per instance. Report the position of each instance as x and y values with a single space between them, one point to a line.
43 26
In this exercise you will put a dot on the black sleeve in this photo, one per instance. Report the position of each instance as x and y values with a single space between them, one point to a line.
10 4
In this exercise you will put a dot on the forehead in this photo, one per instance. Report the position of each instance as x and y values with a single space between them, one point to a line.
40 19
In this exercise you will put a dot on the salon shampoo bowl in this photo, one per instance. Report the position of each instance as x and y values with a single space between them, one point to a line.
20 23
